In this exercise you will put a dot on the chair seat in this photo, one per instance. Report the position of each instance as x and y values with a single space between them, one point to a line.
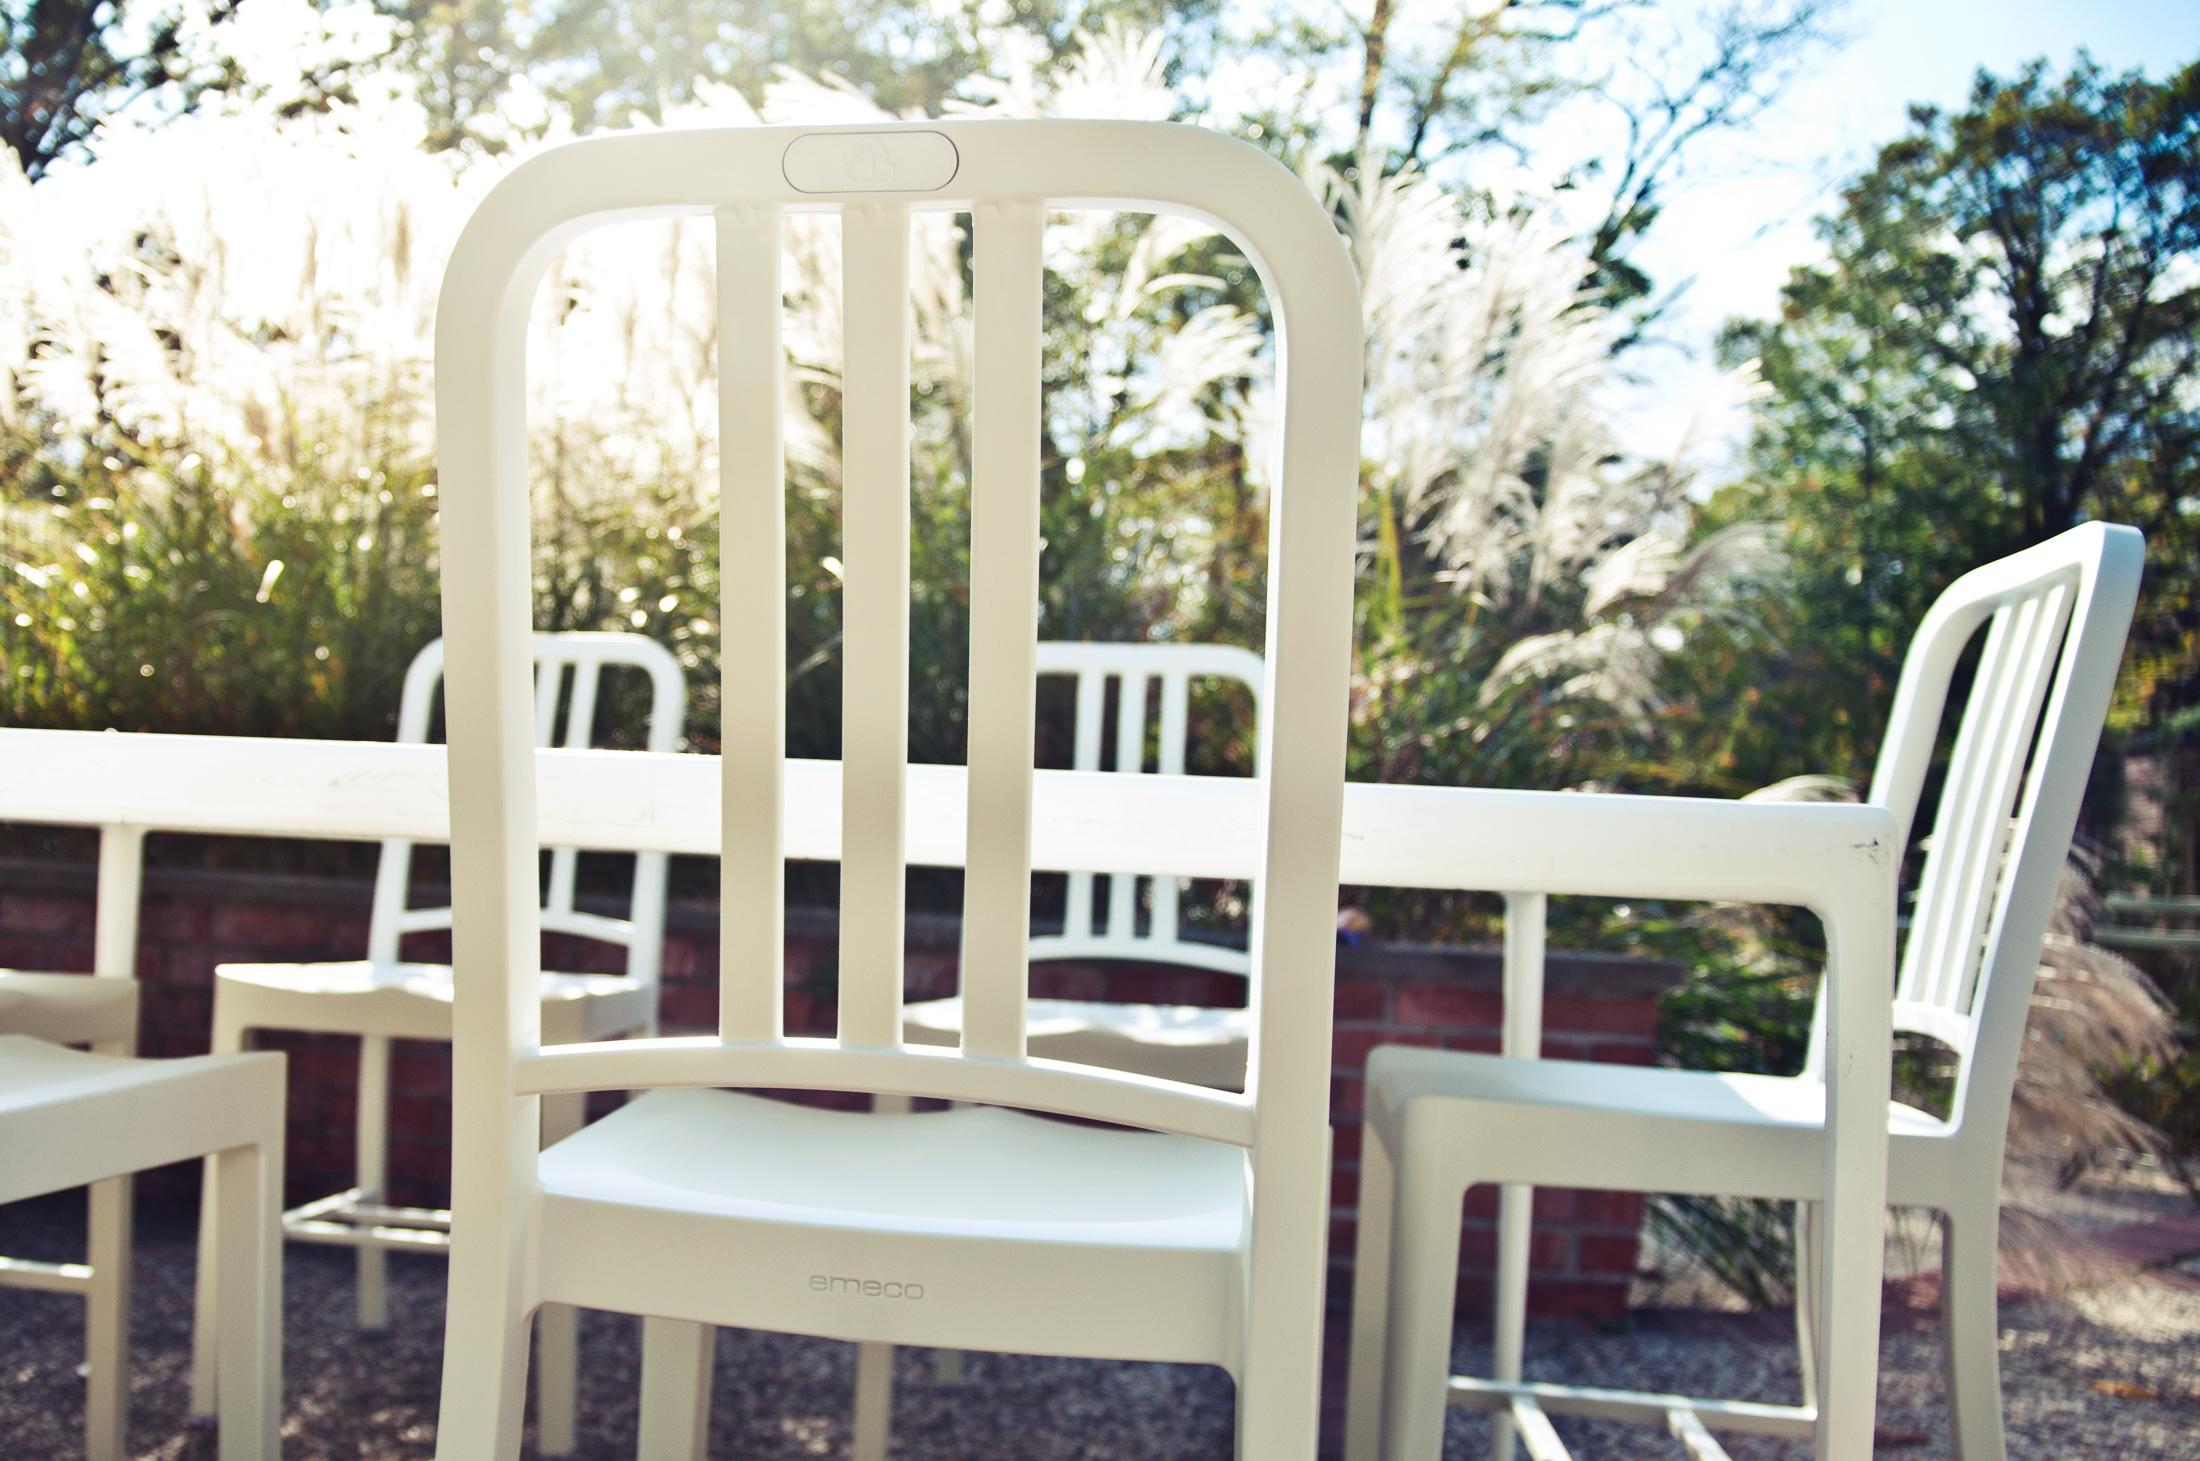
1197 1044
69 1009
1530 1121
68 1117
902 1227
413 1001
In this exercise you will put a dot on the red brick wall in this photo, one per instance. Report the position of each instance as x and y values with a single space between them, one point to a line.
1596 1008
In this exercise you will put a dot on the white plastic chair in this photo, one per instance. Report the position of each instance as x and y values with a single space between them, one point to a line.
2054 619
1198 1238
99 1012
1197 1044
383 998
71 1118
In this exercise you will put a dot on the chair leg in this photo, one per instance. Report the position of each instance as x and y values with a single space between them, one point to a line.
557 1360
1363 1403
1969 1315
1515 1227
1424 1267
676 1376
107 1323
1806 1297
370 1170
227 1039
249 1249
874 1402
485 1334
1278 1379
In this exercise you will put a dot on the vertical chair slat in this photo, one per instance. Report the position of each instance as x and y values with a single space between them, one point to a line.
874 617
580 725
549 690
549 686
1130 759
1921 955
1004 628
1092 694
1967 794
1175 711
2011 736
752 508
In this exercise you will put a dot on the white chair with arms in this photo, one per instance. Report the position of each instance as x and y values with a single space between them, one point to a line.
2053 619
72 1118
382 997
1198 1238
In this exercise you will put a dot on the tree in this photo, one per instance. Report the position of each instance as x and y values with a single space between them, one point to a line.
2000 344
605 64
1437 84
68 64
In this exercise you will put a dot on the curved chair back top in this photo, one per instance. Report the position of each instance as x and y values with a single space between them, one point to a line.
1132 668
569 670
2053 619
1005 175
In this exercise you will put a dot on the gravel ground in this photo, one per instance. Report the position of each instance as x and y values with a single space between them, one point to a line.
2109 1372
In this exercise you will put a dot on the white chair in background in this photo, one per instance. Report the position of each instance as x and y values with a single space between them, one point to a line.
382 997
2054 619
1198 1238
1193 1043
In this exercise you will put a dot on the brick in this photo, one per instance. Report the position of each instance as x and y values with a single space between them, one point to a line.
274 933
1447 1006
1579 1299
190 965
1345 1093
683 959
1611 1209
1557 1205
43 913
51 953
1068 980
1548 1249
1607 1253
1479 1042
1624 1052
416 1116
690 1008
1364 1001
421 1068
174 920
1578 1014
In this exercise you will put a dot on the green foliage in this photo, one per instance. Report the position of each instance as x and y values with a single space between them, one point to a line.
182 595
2001 344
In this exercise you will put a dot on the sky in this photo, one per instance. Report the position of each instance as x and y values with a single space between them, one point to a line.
1742 217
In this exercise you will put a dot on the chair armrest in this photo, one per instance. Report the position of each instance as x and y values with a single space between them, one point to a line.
1564 843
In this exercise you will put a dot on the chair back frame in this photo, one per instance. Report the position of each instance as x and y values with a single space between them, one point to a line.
575 659
2054 618
1132 667
1005 174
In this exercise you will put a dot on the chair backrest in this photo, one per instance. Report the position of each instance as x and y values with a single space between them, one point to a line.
2053 619
1132 669
1005 175
568 671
